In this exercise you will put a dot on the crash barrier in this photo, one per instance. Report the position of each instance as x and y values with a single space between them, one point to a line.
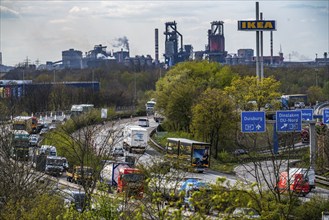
322 180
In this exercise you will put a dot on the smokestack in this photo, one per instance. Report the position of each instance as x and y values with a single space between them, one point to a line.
156 44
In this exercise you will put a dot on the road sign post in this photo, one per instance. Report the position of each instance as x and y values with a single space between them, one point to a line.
288 121
253 122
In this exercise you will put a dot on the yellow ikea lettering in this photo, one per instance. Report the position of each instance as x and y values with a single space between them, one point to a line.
251 25
244 25
259 24
268 25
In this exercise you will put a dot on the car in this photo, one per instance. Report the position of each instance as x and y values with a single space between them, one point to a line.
74 197
143 122
118 151
299 105
239 152
245 213
44 130
33 141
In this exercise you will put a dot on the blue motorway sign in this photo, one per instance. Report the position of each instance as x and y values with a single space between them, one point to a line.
326 116
253 122
288 121
307 114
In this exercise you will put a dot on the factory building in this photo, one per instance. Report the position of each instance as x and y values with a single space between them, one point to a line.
72 59
175 51
216 42
120 56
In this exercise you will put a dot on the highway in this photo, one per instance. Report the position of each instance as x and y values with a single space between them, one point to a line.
245 173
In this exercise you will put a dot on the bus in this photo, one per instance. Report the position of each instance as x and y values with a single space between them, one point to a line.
81 108
196 152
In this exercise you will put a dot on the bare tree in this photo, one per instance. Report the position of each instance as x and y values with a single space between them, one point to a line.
86 143
265 168
18 180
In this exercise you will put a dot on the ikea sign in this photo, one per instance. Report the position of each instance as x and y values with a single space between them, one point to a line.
260 25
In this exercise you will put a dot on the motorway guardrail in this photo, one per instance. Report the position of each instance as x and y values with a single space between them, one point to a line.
322 180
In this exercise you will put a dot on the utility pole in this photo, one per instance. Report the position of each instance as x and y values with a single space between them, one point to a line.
257 43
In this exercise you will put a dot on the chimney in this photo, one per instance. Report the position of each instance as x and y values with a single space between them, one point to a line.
156 44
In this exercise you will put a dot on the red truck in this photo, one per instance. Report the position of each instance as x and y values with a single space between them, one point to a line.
131 180
293 182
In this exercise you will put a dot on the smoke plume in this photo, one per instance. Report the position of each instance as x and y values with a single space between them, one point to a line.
121 42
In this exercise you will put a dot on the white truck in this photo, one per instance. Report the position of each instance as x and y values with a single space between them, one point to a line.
135 139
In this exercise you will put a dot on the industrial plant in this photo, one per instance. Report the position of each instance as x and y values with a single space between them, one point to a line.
175 51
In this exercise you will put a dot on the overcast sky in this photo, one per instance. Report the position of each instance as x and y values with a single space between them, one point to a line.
41 30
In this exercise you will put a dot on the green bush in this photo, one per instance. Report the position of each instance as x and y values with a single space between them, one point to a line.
312 209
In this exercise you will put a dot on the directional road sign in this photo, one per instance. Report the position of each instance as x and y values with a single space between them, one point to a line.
326 115
288 121
253 122
307 114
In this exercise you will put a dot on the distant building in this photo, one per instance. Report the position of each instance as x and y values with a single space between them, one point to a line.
322 61
246 54
72 59
120 56
18 88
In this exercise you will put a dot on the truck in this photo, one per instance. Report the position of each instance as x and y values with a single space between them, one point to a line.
305 135
80 174
158 117
21 149
51 165
23 123
110 172
131 181
309 175
135 139
197 153
295 182
149 106
34 125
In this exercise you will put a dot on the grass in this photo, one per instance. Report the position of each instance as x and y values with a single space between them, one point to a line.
219 166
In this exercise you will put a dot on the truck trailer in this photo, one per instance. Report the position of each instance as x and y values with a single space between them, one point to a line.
135 139
51 165
295 182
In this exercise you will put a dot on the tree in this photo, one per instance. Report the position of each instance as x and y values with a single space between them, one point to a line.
247 89
85 142
315 94
180 88
214 119
19 182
